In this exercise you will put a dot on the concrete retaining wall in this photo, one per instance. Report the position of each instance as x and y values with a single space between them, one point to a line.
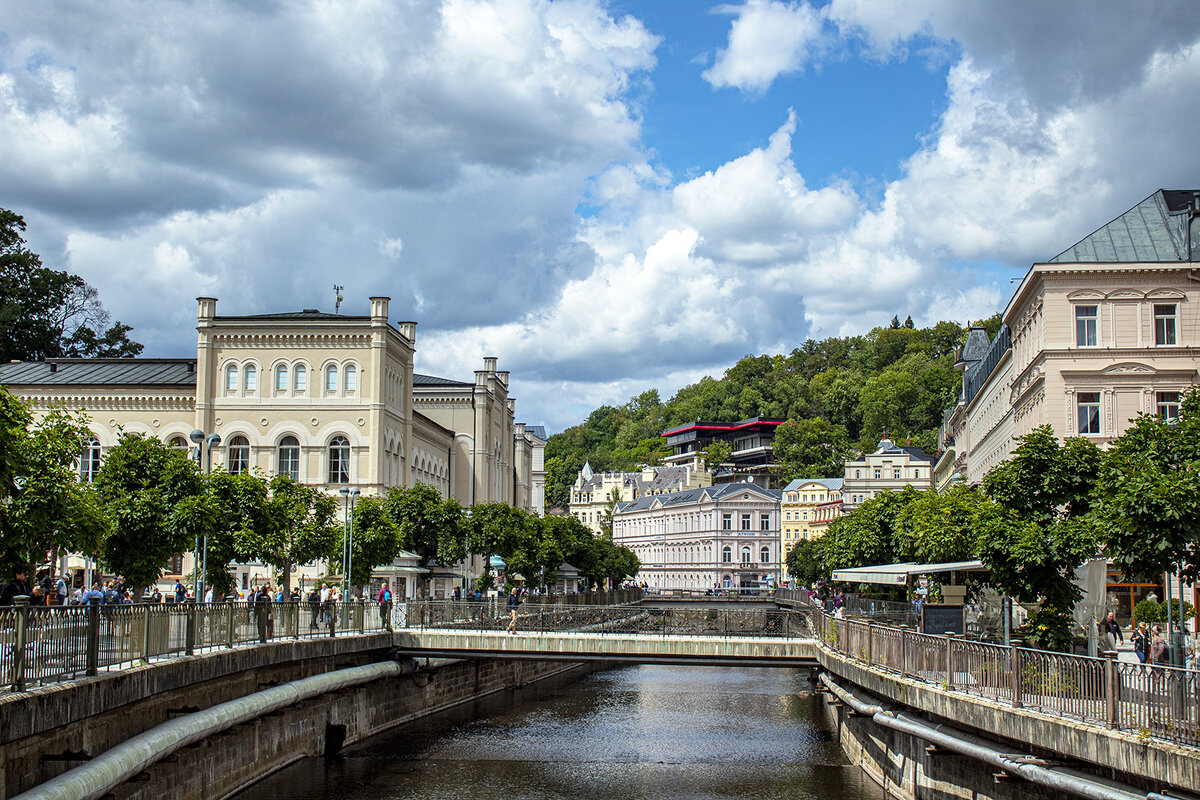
44 731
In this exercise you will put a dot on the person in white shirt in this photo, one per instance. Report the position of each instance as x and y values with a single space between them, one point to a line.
208 595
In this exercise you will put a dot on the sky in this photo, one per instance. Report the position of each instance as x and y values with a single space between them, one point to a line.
607 196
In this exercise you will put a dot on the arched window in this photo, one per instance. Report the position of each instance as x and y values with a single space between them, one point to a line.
281 379
89 460
288 462
238 456
727 554
339 460
351 378
331 379
764 555
251 379
745 555
231 381
301 379
177 442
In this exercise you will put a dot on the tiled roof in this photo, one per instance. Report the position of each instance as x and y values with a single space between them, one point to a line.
537 430
433 380
101 372
1153 230
719 492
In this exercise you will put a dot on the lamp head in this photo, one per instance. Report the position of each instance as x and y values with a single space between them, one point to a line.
196 436
213 439
343 491
354 492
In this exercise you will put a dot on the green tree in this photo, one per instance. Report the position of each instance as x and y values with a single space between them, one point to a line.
810 448
867 536
805 562
377 539
234 512
538 555
45 313
717 453
303 527
1148 495
142 484
43 506
1037 533
497 529
431 526
937 528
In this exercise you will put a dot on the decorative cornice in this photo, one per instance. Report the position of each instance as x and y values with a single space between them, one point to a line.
275 339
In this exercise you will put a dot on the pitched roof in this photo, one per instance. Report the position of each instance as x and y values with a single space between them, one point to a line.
719 492
833 484
1153 230
433 380
101 372
308 314
537 430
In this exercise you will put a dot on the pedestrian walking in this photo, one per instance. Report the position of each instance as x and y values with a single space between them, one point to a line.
1112 631
1141 643
385 605
314 607
513 602
1158 647
17 587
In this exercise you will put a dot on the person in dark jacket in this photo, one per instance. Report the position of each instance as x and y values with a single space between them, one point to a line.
17 587
512 603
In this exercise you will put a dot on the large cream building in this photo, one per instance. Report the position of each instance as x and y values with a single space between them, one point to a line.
799 508
890 468
1104 331
330 399
594 492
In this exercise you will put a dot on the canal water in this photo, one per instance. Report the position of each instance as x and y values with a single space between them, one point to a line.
647 732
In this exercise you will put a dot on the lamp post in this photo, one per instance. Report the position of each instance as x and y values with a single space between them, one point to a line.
348 536
205 443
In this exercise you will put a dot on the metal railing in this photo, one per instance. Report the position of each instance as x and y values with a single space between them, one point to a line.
40 645
1154 700
612 597
544 618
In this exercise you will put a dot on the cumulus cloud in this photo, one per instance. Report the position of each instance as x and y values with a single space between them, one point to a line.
767 39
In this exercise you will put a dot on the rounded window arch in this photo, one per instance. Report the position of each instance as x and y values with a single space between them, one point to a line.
178 442
287 460
251 378
89 460
339 460
301 379
764 555
746 555
351 379
726 554
231 379
237 458
281 379
331 379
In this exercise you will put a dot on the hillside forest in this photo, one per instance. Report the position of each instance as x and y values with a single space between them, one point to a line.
840 396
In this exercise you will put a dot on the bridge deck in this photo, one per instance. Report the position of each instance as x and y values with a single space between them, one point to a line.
641 648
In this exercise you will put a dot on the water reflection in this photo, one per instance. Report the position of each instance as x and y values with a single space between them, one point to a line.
637 732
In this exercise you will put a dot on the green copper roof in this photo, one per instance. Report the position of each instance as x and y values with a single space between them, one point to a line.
1153 230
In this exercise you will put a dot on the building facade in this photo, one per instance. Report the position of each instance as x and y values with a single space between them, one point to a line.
330 399
718 536
1102 332
752 441
890 468
594 492
799 509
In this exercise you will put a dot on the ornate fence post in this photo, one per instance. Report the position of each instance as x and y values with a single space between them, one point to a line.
1014 667
333 610
230 632
93 638
949 661
295 607
145 609
870 641
903 653
189 628
21 607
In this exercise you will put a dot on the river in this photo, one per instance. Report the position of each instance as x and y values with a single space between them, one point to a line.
637 732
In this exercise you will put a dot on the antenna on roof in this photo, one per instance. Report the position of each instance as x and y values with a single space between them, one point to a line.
337 305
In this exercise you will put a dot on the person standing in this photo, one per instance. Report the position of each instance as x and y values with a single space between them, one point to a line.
385 605
1112 631
513 603
1158 647
1141 643
180 592
17 587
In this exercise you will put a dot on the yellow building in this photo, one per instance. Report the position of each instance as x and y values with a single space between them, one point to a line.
802 498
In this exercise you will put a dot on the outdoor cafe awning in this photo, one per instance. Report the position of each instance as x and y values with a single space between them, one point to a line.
898 574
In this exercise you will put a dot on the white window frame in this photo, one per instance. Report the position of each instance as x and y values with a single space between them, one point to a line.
1168 336
1087 326
1081 405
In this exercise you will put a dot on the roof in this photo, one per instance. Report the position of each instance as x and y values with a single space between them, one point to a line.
833 484
698 425
433 380
898 574
664 478
308 314
1153 230
537 430
101 372
888 447
718 492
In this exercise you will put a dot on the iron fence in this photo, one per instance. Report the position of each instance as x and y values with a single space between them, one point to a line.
1154 700
40 645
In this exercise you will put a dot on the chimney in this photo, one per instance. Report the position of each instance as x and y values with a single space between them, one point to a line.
379 310
489 365
206 310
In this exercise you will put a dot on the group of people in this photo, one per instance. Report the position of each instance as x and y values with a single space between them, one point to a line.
1150 643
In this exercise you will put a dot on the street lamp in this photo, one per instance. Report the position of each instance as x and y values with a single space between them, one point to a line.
348 536
206 444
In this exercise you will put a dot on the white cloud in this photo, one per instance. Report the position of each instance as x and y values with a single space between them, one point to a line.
767 39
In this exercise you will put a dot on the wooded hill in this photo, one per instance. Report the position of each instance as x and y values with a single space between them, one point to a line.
839 395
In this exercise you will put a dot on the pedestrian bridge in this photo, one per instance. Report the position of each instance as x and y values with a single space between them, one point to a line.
765 638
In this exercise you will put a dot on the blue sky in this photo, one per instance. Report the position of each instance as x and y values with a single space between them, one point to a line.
607 196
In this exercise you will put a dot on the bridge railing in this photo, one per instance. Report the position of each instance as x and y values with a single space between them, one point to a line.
40 645
545 618
615 597
1158 700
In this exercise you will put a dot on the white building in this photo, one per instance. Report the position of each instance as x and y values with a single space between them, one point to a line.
725 535
890 468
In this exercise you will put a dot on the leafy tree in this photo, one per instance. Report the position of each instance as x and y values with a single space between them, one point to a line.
43 506
45 313
538 555
867 536
303 527
1037 533
936 528
496 529
377 539
1148 495
805 562
810 448
142 484
233 514
430 526
717 453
